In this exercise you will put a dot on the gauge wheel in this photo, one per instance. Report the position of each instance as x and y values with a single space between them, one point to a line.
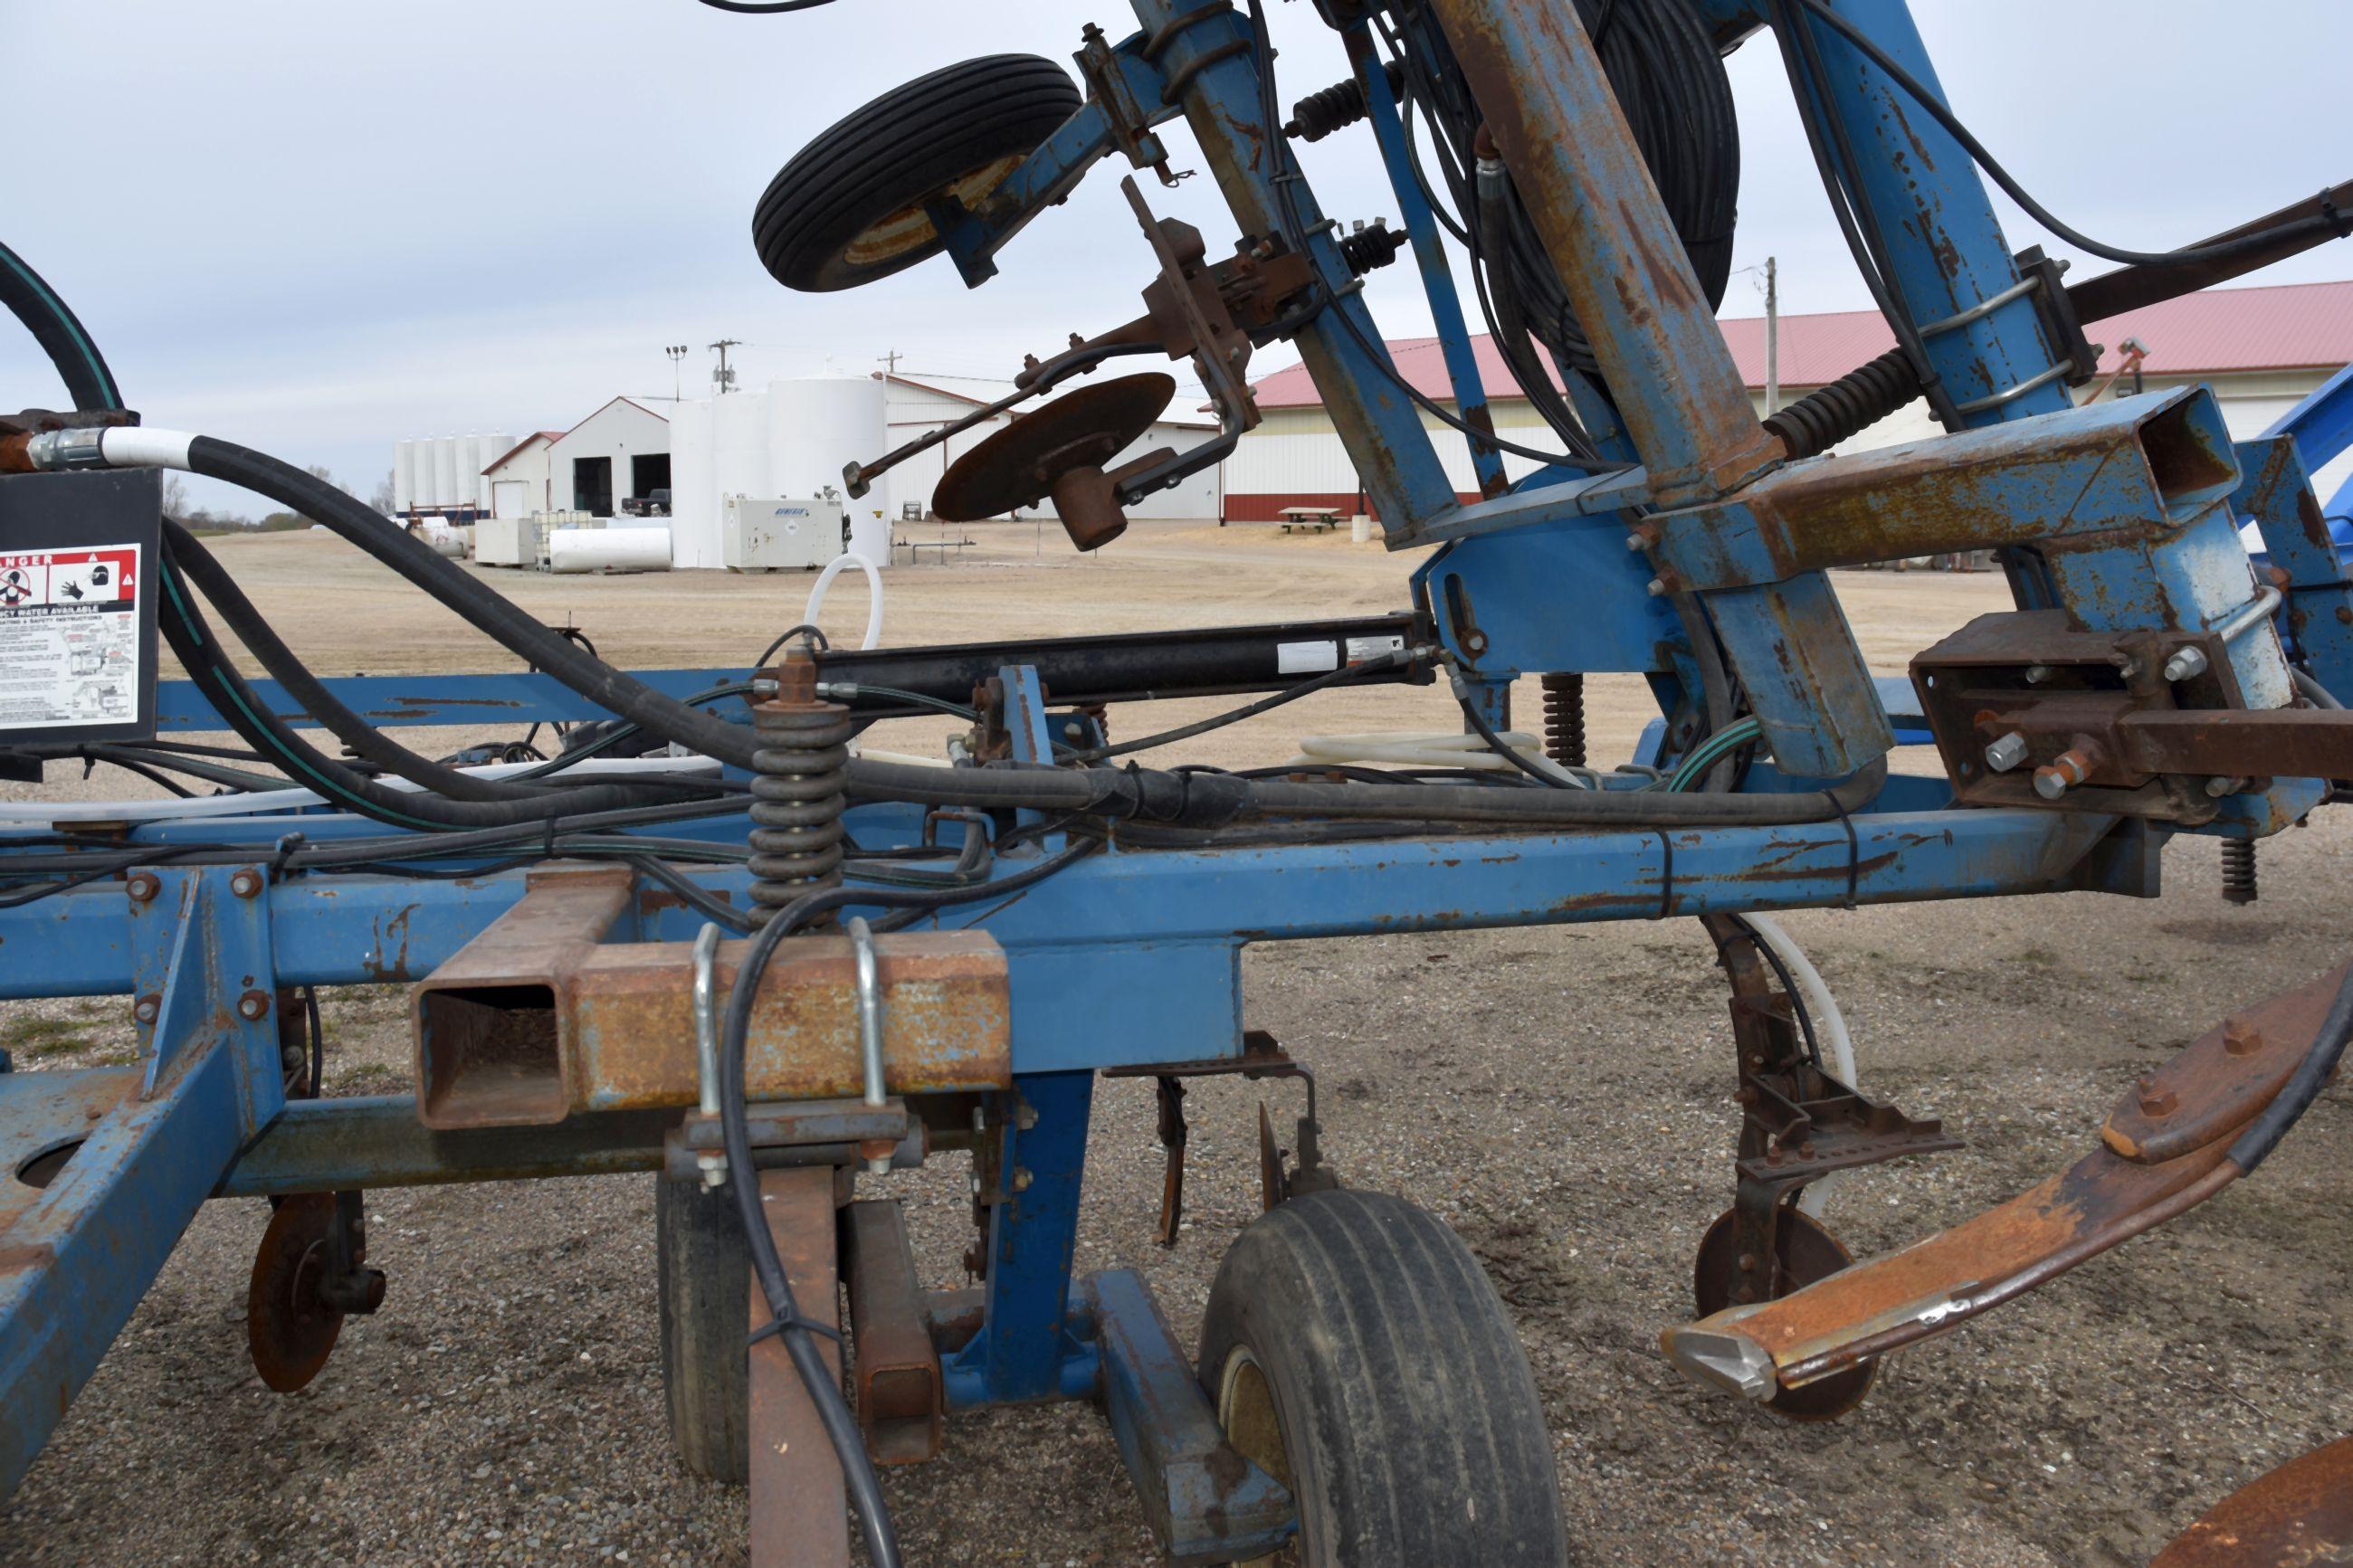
1354 1351
1808 1252
852 206
702 1265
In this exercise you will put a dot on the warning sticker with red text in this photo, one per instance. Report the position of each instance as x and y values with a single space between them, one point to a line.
69 637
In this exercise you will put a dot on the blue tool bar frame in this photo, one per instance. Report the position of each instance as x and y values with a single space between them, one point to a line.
1127 936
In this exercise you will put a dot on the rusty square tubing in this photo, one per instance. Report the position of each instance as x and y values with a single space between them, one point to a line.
900 1398
800 1508
487 1031
1588 191
534 1019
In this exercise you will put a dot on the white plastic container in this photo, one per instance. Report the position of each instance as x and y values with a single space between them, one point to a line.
694 487
817 426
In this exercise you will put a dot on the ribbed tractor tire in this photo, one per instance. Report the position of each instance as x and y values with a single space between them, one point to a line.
703 1268
848 208
1354 1349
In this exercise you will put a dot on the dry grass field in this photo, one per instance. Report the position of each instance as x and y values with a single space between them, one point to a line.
1558 1095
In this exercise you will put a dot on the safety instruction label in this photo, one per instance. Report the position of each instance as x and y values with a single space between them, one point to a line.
69 637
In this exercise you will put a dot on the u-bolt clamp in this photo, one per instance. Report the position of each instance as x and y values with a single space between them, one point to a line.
869 1024
706 1043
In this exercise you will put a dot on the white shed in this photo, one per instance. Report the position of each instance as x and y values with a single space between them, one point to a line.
519 482
620 451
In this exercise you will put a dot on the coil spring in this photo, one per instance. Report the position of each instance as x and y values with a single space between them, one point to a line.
1853 402
1564 718
799 786
1319 114
1370 247
2239 871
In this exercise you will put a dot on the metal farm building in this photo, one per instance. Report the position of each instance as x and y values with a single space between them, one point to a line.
2262 350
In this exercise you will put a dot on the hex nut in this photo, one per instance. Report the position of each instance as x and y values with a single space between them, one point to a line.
2006 752
244 882
142 886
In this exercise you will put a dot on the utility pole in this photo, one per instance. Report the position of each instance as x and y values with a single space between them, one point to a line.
723 378
890 362
677 351
1772 338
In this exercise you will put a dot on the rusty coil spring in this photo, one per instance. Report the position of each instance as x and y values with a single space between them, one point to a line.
1564 718
1853 402
800 785
2239 871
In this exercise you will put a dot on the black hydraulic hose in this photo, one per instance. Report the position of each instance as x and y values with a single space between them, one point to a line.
798 1333
489 611
233 697
2327 221
196 564
89 385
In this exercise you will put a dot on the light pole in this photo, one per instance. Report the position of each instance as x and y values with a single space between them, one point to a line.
677 351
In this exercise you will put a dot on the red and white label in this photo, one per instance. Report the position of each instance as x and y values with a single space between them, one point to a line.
69 637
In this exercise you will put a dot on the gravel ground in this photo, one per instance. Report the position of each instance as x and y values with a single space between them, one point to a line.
1557 1094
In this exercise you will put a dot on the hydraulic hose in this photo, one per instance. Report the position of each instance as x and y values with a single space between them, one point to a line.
196 565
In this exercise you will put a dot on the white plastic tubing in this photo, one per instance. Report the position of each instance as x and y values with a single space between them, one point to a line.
873 638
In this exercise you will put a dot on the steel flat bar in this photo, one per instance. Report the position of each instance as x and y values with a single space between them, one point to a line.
360 929
384 700
799 1513
376 1140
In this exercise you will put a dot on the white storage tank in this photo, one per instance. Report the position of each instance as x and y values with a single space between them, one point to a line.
817 426
446 492
608 550
739 439
443 539
404 476
694 487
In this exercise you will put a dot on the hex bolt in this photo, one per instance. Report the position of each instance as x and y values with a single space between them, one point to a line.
146 1008
1635 542
289 1056
2185 664
2222 784
253 1005
2156 1102
2240 1038
2006 753
1025 1115
244 882
1022 1179
143 886
2036 674
1749 1263
2068 768
1657 588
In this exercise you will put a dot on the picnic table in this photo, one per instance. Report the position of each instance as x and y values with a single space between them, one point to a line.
1318 518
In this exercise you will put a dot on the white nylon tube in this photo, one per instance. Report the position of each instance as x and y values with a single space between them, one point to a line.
873 593
1830 1023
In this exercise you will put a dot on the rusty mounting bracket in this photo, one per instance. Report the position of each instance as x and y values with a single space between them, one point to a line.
1262 1057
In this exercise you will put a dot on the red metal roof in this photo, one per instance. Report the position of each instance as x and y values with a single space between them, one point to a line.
550 437
2289 326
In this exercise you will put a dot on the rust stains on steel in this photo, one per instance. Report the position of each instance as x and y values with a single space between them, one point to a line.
2211 1089
900 1399
2217 1083
799 1513
2298 1516
488 1033
1554 118
946 1019
391 939
537 1017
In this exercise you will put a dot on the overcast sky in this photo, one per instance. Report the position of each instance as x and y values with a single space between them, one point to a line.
317 228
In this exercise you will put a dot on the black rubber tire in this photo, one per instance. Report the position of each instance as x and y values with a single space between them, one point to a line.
1410 1424
704 1270
848 209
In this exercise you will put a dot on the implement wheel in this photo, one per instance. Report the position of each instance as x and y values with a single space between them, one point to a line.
1355 1353
853 205
704 1266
